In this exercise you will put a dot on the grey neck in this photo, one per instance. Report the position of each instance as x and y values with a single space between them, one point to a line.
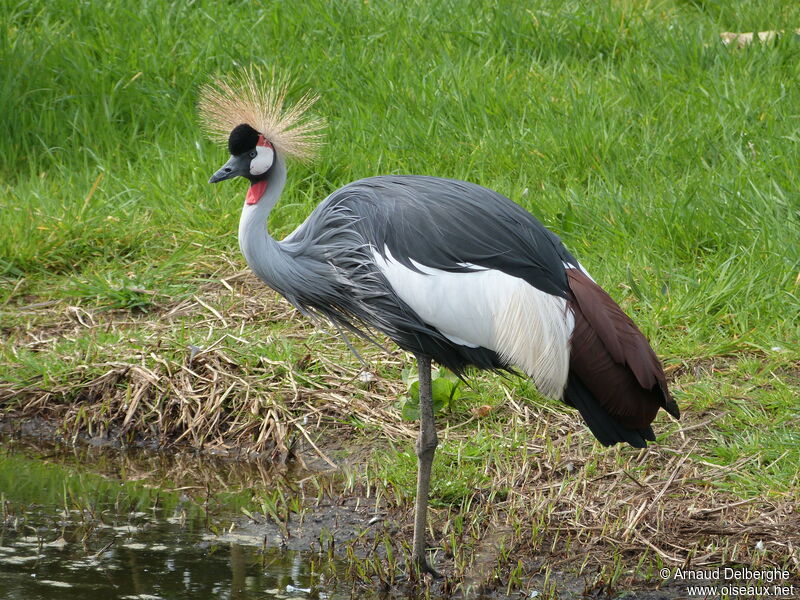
258 247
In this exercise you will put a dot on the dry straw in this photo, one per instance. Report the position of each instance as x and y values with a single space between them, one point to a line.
624 509
250 97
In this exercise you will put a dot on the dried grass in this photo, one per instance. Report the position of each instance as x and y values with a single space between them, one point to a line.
659 502
201 397
673 511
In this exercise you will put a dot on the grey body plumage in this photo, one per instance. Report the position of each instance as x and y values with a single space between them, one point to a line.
442 223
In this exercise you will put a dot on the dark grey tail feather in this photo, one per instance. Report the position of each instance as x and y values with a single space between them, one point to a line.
602 425
672 407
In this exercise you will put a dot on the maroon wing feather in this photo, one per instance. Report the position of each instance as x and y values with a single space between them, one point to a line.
612 357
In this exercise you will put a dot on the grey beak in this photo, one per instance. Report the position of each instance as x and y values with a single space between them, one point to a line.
235 167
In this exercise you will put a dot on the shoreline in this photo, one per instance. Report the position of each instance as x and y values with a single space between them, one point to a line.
361 531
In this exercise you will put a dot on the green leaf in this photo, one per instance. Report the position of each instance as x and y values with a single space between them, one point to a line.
413 391
448 374
444 391
455 393
441 390
410 410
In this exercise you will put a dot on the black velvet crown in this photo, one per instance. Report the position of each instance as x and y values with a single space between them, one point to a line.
242 138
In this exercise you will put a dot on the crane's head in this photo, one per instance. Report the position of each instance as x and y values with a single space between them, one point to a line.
252 114
252 157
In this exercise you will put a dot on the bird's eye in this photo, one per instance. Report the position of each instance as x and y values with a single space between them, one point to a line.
253 153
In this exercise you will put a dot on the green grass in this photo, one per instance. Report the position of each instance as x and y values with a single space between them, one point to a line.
666 161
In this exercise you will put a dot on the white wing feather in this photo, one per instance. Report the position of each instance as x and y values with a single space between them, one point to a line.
484 307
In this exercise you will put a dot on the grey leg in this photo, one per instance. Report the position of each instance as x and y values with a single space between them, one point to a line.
426 447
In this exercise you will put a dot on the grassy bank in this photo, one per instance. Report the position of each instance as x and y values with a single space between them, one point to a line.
666 161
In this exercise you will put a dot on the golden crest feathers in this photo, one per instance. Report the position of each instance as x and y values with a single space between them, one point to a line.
249 98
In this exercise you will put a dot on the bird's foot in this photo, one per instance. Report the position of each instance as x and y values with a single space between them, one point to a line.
423 567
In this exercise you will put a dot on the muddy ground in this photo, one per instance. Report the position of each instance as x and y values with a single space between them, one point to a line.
346 524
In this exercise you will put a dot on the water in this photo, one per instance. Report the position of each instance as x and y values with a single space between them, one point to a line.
150 560
69 532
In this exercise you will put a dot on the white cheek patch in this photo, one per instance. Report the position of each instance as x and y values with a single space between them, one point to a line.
262 161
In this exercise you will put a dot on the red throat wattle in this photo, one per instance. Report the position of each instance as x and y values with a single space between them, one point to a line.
255 191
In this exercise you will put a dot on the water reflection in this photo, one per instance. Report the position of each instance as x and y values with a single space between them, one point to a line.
55 544
157 560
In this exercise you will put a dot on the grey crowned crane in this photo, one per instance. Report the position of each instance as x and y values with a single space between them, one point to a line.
451 271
